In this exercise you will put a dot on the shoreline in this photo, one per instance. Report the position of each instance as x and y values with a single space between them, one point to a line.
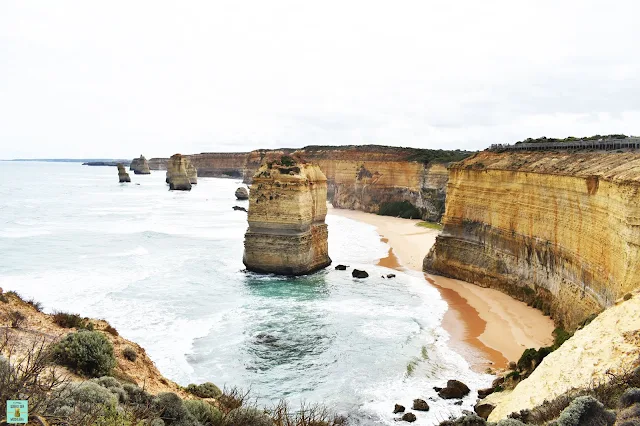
487 327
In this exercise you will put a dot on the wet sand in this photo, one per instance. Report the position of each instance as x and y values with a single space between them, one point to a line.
486 326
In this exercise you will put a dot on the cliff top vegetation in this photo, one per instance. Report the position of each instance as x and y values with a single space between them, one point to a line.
573 139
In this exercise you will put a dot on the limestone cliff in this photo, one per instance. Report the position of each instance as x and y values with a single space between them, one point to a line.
609 345
177 176
557 229
287 207
123 176
140 166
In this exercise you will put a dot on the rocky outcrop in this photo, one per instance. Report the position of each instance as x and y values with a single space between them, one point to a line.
606 347
177 177
559 230
123 176
242 193
358 177
140 166
192 172
287 207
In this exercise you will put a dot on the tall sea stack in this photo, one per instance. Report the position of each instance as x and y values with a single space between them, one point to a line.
192 172
123 176
177 173
287 207
140 166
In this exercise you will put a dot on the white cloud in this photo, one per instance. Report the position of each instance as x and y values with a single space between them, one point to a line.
112 79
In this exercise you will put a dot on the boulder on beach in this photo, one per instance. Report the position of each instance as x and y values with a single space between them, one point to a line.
455 390
420 405
483 409
398 409
357 273
123 176
242 193
409 417
341 267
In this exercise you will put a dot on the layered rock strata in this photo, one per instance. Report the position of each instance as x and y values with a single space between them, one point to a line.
287 207
123 176
140 166
559 230
192 172
358 177
177 176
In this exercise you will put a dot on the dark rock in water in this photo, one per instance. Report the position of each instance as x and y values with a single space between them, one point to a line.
391 275
242 193
437 389
454 390
483 393
458 402
357 273
420 405
483 409
341 268
497 382
398 409
382 276
123 176
266 338
239 208
409 417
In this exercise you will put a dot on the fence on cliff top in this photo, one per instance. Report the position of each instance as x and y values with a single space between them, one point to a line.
603 144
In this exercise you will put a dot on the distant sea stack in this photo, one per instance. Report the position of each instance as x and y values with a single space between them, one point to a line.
287 207
177 177
242 193
140 166
122 174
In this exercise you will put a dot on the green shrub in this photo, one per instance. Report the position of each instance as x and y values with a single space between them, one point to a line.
78 400
403 209
510 422
172 410
560 335
629 397
205 390
287 161
630 414
130 353
203 412
16 319
586 411
111 330
35 304
136 395
67 320
114 386
87 352
248 417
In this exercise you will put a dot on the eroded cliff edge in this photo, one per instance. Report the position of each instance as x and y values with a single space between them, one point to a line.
556 229
358 177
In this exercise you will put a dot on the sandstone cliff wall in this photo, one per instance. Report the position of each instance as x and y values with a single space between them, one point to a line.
558 229
287 207
358 177
609 345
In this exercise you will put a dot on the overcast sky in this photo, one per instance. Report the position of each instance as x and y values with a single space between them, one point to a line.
121 78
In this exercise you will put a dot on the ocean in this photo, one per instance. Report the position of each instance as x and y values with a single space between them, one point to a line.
165 268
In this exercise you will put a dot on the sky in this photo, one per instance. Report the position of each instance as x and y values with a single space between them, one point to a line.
88 79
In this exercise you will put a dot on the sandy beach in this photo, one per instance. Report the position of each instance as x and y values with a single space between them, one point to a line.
486 326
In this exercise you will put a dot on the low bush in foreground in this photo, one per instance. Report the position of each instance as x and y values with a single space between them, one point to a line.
205 390
87 352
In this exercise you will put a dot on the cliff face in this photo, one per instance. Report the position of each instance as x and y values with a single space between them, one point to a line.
609 345
558 229
358 177
287 207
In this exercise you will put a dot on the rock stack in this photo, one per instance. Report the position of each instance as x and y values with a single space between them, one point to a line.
287 207
140 166
192 172
242 193
177 173
122 174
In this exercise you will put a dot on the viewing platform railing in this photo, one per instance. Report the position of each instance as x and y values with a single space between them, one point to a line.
604 144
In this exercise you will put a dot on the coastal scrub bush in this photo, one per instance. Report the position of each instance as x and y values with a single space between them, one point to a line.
203 412
586 411
114 386
629 397
287 161
171 409
232 398
35 304
248 417
16 319
510 422
87 352
129 353
403 209
111 330
79 401
67 320
306 415
136 395
205 390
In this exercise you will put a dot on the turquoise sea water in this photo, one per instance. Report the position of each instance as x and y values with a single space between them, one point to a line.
165 268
